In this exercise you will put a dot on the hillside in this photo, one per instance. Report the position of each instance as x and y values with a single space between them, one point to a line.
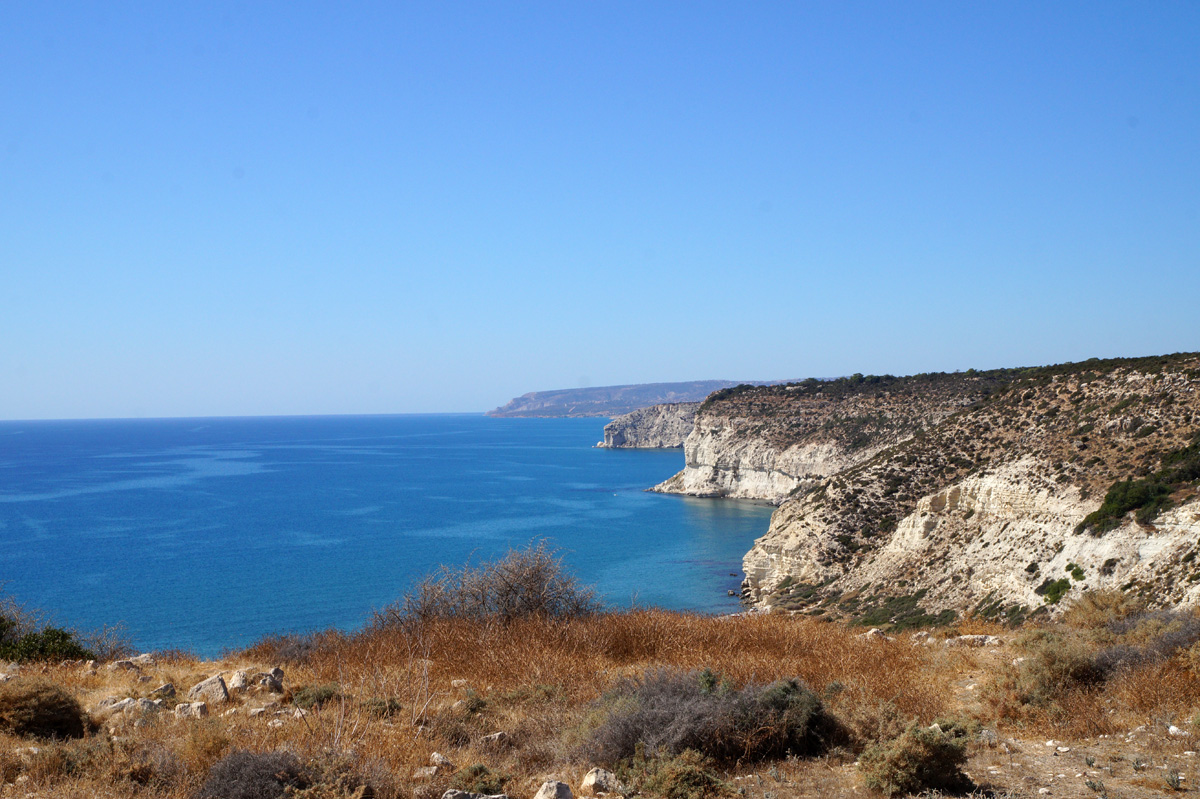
606 400
930 496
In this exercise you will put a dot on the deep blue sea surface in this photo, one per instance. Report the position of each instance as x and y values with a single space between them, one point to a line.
210 533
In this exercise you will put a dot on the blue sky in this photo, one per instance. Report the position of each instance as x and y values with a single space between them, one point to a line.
277 208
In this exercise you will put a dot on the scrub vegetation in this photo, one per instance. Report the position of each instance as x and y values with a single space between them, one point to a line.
676 705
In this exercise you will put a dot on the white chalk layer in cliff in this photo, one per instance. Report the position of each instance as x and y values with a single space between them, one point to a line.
997 537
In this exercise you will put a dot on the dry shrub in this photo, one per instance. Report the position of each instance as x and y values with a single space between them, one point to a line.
250 775
1057 663
537 678
920 759
687 775
41 709
1097 609
77 759
873 721
206 741
1162 690
525 582
670 712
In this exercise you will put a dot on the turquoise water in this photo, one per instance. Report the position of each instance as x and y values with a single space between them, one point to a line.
210 533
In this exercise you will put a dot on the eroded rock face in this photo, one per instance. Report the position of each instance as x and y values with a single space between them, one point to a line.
982 512
657 427
765 442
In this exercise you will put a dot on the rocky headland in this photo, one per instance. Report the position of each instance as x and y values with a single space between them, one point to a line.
657 427
993 494
605 400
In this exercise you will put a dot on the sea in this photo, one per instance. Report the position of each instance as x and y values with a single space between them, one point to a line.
209 534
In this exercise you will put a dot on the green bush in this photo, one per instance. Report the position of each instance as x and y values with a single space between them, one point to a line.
41 709
314 696
479 779
48 644
1148 496
921 759
688 775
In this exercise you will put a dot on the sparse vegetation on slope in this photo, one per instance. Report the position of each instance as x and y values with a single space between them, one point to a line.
1125 429
680 705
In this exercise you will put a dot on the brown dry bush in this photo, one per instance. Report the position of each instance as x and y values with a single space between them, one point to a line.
39 708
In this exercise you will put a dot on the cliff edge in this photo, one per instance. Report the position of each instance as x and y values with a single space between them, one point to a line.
906 500
658 427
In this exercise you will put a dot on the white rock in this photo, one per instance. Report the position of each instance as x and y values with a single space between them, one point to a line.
458 683
553 789
1173 730
122 665
212 690
191 710
240 681
144 659
876 634
495 739
166 690
424 774
600 780
438 759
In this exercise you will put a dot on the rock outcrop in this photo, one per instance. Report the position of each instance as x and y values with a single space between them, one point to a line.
1042 483
764 442
657 427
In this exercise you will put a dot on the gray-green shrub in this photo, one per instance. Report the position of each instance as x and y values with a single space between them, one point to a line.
920 759
668 712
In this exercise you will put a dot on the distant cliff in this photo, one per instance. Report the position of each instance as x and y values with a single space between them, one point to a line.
607 400
659 426
993 494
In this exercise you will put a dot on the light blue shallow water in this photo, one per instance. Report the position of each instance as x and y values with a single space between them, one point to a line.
210 533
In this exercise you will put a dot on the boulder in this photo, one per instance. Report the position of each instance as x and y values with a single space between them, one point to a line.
424 774
110 707
271 681
600 780
122 665
239 682
211 690
143 706
191 710
456 794
876 634
144 659
166 691
553 789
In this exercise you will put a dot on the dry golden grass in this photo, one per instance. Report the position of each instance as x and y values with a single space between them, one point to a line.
400 699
